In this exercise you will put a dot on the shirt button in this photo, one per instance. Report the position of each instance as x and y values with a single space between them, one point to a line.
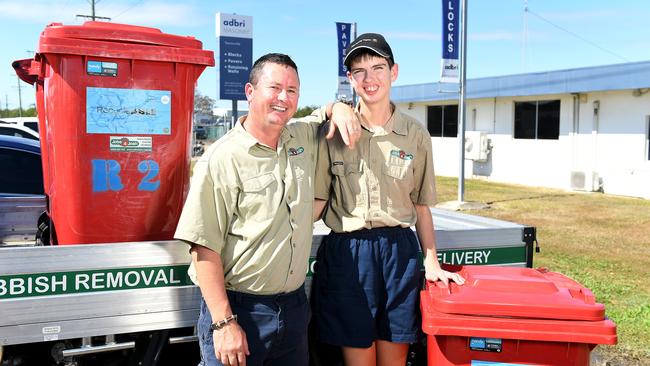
291 272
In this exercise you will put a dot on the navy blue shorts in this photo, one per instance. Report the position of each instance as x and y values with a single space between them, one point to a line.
275 326
367 287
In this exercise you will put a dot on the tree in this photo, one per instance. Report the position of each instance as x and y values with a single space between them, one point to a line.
305 111
29 112
203 104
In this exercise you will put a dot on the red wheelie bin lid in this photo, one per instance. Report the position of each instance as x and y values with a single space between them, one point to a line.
516 292
520 303
103 39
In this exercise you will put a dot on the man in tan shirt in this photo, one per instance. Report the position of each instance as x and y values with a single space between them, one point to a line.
248 217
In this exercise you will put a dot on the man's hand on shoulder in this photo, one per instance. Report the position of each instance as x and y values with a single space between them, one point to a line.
343 118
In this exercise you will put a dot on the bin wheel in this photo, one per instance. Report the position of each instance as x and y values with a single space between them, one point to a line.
43 230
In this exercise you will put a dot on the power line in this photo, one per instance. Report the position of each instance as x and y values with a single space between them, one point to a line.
129 8
527 9
92 14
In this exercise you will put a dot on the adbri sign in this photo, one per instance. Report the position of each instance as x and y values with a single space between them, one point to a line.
343 40
235 33
450 42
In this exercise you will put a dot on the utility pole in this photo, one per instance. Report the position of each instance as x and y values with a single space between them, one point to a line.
20 98
92 15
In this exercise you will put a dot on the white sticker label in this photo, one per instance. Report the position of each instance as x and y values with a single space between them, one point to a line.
52 330
130 143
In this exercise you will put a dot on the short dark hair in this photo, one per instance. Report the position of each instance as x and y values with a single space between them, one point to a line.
273 58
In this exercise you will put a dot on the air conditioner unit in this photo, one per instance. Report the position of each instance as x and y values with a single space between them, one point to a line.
585 181
476 145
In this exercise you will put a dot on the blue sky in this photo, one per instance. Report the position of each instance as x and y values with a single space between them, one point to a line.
561 34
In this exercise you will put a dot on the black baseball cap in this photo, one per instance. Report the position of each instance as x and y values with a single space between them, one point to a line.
370 42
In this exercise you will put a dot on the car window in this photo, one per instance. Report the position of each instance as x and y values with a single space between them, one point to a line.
8 131
32 125
21 172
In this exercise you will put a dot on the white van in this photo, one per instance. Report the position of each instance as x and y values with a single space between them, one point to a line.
13 129
29 122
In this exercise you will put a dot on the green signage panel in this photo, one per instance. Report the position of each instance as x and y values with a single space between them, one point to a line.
100 280
63 283
478 256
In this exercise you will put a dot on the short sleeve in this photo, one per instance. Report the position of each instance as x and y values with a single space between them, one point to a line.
424 192
208 210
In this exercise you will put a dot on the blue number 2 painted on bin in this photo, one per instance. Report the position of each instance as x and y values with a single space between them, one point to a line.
151 169
106 175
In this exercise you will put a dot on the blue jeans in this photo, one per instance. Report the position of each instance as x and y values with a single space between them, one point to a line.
275 326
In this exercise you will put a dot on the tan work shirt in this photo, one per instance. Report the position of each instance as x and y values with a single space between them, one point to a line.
253 205
377 183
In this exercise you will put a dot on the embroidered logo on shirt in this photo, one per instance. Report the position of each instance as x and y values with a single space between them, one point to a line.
296 152
401 154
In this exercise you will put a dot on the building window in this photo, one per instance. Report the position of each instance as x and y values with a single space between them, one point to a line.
538 120
442 120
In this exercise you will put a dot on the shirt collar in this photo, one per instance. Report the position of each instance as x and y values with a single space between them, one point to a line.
394 124
249 141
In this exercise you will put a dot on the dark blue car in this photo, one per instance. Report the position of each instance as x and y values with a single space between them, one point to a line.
21 172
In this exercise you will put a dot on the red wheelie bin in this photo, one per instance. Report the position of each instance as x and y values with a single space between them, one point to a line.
115 107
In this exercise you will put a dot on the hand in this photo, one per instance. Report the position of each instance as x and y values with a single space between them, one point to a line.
433 272
230 345
344 118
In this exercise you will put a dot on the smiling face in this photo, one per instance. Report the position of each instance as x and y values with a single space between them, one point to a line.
371 77
273 99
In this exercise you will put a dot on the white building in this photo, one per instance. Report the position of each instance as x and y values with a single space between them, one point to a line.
581 129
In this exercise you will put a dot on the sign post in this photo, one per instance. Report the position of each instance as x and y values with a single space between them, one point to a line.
235 57
344 91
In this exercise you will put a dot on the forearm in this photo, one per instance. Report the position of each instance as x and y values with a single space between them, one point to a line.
319 206
209 270
426 236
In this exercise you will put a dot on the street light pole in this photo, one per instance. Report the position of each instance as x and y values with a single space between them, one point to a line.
462 103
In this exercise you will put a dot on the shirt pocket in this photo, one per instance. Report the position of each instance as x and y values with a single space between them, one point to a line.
257 197
399 169
347 185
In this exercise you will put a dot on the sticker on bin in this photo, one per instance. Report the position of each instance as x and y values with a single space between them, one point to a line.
488 363
130 143
101 68
485 344
128 111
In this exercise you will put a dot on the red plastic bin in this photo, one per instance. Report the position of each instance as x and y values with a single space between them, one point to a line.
115 107
512 316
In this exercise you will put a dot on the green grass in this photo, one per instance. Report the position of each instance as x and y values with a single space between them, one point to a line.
599 240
